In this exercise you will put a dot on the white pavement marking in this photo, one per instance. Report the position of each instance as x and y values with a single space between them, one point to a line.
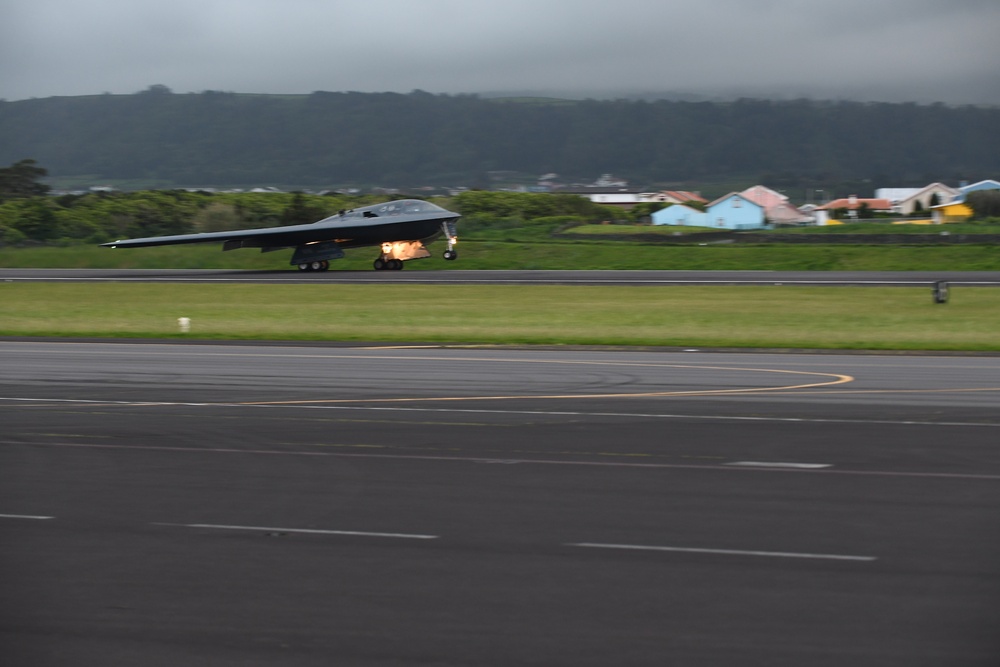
24 516
480 459
729 552
308 531
778 464
41 402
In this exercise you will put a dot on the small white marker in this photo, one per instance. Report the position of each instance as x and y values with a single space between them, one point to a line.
184 323
778 464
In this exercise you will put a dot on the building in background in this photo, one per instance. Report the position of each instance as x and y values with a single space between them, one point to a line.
956 210
733 211
916 201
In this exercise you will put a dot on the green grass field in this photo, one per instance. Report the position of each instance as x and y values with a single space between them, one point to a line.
771 317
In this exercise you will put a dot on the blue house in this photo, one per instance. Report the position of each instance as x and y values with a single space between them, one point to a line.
976 187
734 211
679 214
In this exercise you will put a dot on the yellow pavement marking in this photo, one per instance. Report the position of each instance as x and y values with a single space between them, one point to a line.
836 380
954 390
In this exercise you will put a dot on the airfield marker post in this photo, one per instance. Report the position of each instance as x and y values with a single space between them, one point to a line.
940 291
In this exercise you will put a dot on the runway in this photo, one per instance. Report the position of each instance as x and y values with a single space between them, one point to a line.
278 505
466 277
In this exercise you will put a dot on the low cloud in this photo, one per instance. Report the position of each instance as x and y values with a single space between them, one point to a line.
893 50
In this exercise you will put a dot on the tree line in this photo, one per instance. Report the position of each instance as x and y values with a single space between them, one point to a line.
100 217
402 140
28 215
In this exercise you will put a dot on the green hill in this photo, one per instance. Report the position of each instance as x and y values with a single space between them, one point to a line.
322 140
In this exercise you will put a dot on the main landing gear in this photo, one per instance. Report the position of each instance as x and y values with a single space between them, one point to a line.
314 266
394 253
388 264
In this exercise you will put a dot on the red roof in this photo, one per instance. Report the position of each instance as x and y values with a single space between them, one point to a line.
764 196
856 202
682 196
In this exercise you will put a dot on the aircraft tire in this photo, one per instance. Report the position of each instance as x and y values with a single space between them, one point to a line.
395 265
304 267
450 255
379 264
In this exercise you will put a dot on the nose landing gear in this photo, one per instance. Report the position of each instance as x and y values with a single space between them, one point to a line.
451 233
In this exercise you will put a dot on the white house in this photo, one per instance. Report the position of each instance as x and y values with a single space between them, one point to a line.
907 201
622 197
627 198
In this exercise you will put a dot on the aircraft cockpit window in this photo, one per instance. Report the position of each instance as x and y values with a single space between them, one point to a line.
402 207
392 208
416 206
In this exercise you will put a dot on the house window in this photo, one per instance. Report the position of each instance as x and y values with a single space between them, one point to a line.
737 203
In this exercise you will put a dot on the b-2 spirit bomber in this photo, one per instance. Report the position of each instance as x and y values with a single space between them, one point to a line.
399 228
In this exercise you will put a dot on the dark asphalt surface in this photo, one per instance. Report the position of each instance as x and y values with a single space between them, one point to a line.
467 277
268 505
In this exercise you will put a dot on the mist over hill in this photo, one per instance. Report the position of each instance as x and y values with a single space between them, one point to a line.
331 140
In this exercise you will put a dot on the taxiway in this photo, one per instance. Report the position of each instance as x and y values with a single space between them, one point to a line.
277 505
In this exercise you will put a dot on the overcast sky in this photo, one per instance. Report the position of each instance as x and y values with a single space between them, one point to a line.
888 50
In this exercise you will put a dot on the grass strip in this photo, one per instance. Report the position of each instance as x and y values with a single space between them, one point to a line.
871 318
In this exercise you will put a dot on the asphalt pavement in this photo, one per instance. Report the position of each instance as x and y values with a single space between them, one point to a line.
170 504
